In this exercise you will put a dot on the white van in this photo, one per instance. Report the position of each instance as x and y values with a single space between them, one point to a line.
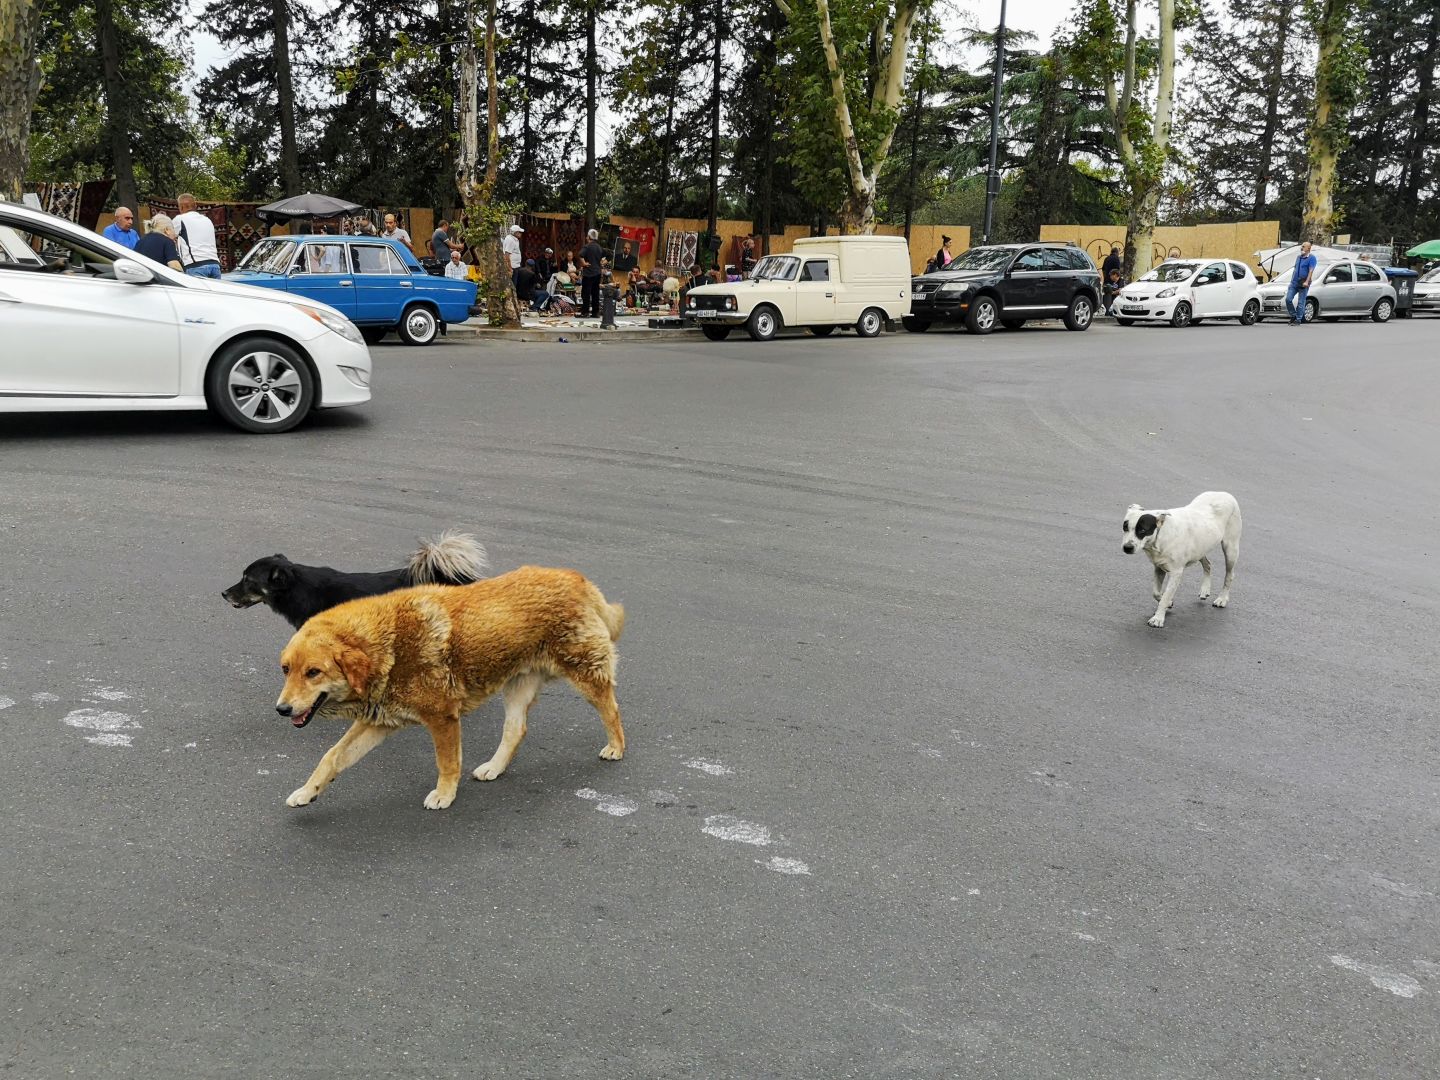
826 283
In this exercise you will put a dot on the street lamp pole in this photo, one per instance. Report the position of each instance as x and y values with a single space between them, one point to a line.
992 176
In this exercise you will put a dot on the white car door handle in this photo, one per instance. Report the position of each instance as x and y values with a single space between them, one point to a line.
346 282
406 285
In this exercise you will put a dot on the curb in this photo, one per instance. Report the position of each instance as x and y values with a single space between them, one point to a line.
568 334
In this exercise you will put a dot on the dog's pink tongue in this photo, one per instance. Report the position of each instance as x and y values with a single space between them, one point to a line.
302 719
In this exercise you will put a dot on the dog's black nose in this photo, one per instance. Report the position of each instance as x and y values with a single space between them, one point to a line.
284 710
1129 549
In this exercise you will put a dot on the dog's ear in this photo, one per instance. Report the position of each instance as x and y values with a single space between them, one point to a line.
1145 524
354 663
280 573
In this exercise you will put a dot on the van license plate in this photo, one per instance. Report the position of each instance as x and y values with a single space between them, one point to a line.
704 313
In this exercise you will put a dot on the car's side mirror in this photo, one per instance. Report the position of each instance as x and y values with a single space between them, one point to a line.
132 273
298 268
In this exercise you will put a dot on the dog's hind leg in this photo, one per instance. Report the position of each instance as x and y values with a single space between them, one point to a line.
1205 581
1231 547
601 694
446 734
358 741
519 692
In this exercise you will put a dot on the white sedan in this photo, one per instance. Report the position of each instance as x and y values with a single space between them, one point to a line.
91 326
1186 292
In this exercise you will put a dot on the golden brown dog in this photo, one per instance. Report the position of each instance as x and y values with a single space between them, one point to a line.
430 654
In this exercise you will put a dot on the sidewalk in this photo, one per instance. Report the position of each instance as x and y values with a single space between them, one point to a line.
565 329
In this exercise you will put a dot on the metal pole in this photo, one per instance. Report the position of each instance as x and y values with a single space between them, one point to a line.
992 177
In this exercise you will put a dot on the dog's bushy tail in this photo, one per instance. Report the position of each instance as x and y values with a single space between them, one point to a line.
452 558
614 616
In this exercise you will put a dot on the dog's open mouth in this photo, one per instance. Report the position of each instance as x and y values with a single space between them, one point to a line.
309 714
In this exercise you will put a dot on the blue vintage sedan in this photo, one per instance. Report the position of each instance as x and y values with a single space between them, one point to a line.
378 283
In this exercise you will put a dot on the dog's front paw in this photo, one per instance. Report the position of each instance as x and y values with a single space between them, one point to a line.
303 796
1204 594
488 771
1156 621
438 800
1220 601
612 752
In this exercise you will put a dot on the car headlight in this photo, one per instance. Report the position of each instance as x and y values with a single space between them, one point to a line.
1164 293
954 286
692 302
729 303
338 323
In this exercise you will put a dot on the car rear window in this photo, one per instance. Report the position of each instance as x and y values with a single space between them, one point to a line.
376 259
1237 271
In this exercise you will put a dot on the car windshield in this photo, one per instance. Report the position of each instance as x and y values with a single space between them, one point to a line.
268 257
776 268
982 258
1431 275
24 248
1172 271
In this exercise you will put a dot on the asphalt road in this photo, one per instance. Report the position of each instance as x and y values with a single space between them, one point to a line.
911 789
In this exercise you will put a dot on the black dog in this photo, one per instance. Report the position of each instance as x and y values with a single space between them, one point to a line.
298 592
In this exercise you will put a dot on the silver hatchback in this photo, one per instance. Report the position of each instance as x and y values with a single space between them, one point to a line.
1338 289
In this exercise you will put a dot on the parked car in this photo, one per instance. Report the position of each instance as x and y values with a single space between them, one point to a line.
1427 291
826 283
1186 292
91 326
1008 284
377 283
1337 289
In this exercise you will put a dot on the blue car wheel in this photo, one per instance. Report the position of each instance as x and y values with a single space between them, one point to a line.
418 326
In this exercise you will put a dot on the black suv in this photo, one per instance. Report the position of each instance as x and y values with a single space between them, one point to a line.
1007 284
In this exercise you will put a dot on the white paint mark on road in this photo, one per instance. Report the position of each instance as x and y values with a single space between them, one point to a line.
973 892
110 738
729 827
191 745
109 693
714 768
1084 937
44 698
785 866
1410 892
1381 978
927 751
262 772
614 805
101 720
6 702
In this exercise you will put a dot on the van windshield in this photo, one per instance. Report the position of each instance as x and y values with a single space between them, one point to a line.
776 268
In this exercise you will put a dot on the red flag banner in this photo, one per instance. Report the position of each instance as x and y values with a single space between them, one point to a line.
643 239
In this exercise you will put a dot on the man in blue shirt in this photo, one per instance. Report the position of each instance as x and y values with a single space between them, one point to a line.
123 230
1300 285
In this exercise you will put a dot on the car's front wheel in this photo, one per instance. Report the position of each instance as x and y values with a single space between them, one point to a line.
870 323
715 333
1181 317
1384 308
982 316
260 385
764 323
1080 313
1250 315
418 326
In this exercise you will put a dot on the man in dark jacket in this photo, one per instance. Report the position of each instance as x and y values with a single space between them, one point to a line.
1112 262
545 266
591 256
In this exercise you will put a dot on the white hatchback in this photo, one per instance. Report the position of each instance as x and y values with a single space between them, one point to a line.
88 325
1186 292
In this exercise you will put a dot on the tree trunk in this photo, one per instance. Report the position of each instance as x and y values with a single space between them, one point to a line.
1327 131
19 83
716 71
501 284
527 133
593 13
116 107
285 93
467 162
915 133
1274 85
1413 176
1145 203
857 215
